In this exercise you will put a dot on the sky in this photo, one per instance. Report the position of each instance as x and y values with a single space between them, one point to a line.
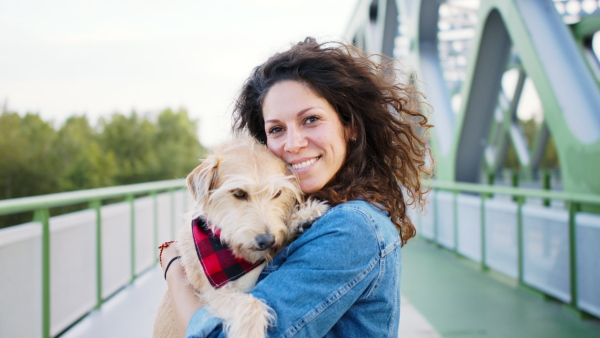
72 57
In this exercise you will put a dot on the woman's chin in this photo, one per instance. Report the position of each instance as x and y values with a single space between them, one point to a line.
309 186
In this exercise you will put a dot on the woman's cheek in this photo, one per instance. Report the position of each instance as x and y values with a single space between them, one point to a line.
274 147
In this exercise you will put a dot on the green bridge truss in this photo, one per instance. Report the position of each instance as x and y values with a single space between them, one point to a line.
482 65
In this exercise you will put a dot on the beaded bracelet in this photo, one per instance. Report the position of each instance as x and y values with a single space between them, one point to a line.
162 247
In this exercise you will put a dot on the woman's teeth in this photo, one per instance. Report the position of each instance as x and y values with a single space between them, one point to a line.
304 164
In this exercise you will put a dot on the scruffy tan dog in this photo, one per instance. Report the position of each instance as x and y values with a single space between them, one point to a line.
248 198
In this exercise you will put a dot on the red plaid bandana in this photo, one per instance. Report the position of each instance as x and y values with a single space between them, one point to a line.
218 261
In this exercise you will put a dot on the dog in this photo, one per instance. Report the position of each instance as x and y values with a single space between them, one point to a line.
249 198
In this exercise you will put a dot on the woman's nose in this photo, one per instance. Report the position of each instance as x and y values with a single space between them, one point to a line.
295 141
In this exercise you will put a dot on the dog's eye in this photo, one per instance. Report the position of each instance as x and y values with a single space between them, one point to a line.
277 194
240 194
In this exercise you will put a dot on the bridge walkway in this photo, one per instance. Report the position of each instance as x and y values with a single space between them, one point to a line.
460 300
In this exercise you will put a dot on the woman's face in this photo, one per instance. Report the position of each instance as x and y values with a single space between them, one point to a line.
305 131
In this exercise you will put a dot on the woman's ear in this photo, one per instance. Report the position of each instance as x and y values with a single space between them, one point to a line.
203 179
351 133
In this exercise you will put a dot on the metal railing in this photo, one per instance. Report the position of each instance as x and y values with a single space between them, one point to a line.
41 205
573 203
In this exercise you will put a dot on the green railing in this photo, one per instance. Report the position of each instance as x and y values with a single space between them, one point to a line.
573 203
41 205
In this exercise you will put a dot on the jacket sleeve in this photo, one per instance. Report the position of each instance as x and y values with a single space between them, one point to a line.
317 278
203 324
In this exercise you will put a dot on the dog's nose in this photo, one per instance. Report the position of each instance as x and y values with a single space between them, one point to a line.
265 241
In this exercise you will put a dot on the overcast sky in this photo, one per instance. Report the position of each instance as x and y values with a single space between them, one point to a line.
73 57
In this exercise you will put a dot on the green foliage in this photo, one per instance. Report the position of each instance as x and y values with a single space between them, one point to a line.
84 164
28 165
130 138
37 159
512 160
530 129
146 151
550 158
176 144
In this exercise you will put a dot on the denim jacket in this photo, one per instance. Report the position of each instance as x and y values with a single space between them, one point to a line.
340 278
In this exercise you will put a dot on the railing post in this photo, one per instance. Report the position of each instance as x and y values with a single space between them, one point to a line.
173 218
43 216
520 201
514 180
455 220
155 213
491 177
547 181
484 267
96 206
436 219
131 200
573 208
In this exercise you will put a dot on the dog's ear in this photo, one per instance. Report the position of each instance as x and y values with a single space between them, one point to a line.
203 179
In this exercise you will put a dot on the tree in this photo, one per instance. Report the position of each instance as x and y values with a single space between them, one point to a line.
84 164
28 165
131 139
177 144
147 152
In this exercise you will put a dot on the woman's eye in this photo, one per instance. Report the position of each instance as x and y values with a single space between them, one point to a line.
275 130
240 194
312 119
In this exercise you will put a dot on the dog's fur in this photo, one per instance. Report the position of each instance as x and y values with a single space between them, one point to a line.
246 192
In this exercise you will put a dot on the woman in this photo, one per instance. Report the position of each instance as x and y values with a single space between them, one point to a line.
347 129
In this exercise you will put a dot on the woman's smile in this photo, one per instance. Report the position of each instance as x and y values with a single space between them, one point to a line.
305 165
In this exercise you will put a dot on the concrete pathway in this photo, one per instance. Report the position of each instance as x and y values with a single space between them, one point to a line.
130 313
461 300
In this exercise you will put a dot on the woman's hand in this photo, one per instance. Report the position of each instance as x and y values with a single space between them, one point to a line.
184 299
167 256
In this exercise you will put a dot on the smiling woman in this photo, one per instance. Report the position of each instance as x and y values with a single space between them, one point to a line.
353 136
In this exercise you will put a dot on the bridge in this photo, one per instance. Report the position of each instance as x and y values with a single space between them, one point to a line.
508 245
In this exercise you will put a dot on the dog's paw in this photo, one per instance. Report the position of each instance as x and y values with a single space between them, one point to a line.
251 320
306 214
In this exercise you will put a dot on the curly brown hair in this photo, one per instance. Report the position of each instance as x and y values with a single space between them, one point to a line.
388 158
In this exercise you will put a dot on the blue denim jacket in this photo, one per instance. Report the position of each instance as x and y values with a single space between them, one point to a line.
341 278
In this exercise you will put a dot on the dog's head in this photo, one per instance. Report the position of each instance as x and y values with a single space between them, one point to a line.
249 194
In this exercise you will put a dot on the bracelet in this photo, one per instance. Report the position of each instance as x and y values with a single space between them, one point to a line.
168 265
161 247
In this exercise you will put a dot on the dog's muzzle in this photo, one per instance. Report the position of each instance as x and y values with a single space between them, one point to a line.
264 242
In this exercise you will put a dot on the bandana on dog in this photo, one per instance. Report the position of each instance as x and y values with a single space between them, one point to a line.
218 261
